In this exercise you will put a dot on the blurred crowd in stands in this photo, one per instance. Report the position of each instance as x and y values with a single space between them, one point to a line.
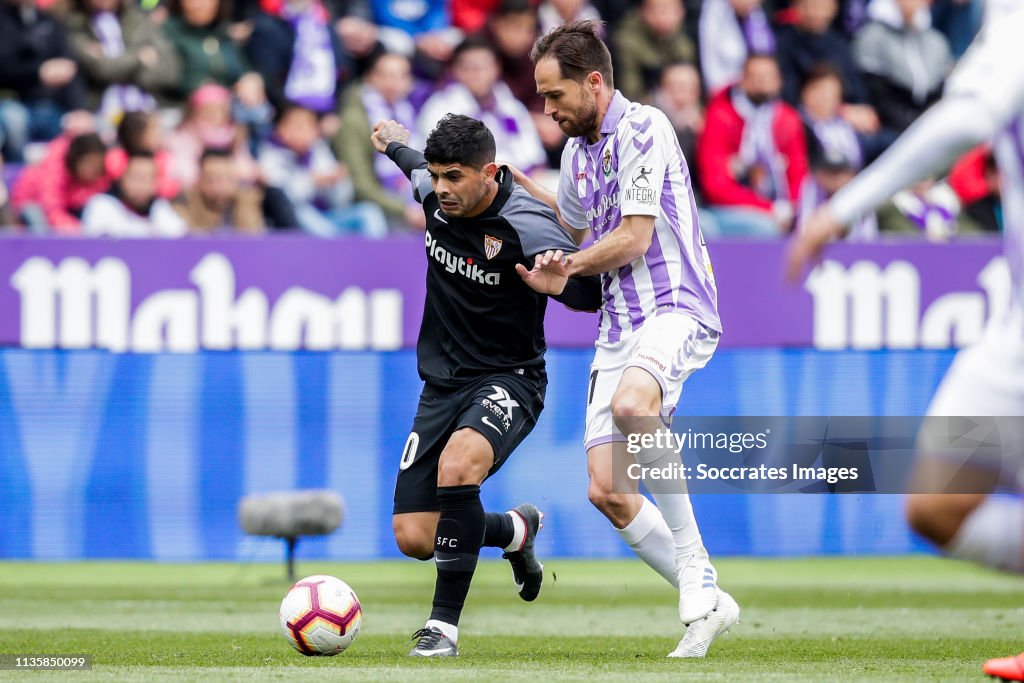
168 117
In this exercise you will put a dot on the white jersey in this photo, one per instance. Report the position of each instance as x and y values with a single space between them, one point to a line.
992 71
637 168
984 101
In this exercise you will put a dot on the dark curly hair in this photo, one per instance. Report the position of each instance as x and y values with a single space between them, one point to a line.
462 140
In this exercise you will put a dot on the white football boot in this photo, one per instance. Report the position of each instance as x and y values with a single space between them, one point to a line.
701 633
698 591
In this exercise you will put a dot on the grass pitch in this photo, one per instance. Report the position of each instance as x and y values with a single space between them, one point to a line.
911 619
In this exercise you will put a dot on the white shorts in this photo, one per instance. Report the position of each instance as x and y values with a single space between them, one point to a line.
670 346
987 379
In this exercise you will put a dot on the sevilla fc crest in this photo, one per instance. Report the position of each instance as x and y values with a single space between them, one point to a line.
492 246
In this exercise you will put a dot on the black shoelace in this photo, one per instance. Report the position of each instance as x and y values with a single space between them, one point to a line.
428 637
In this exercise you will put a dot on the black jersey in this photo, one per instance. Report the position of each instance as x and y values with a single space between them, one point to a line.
479 316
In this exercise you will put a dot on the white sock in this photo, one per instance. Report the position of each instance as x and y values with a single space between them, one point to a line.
674 505
992 535
448 629
518 534
650 539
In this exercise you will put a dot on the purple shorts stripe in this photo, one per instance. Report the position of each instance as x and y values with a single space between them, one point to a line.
602 440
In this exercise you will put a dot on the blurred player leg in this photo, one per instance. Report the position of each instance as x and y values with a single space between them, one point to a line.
950 504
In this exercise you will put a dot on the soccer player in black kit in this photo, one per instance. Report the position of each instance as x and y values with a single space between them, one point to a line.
481 356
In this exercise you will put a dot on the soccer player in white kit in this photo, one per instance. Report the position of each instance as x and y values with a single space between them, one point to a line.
623 177
983 101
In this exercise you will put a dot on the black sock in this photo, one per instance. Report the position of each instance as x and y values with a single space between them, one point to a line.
460 532
499 530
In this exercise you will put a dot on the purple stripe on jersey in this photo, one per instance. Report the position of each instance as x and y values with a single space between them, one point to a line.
659 273
575 173
628 287
643 147
641 126
668 205
1014 234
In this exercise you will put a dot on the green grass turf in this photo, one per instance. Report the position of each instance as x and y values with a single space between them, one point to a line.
858 619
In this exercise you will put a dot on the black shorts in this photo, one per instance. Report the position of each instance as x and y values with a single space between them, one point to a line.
502 407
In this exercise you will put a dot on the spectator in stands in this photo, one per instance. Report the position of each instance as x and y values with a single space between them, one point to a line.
678 95
6 213
51 194
927 209
554 13
124 56
650 38
359 36
208 123
141 133
383 95
728 31
299 56
131 207
904 59
811 40
199 29
38 75
752 156
827 132
959 21
219 202
420 30
478 92
831 169
975 179
301 163
471 16
512 30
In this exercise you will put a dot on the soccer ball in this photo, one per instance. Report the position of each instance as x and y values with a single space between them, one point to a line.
321 615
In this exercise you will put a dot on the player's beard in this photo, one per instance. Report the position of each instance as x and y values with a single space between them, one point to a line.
585 121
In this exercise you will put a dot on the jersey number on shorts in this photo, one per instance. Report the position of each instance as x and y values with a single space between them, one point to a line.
412 444
593 384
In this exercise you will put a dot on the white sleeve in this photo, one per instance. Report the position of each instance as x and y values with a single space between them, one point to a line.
990 70
982 94
100 216
569 207
273 166
721 44
643 164
166 222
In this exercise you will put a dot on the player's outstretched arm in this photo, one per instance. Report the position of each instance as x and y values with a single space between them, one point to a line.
386 132
548 276
391 138
944 132
623 245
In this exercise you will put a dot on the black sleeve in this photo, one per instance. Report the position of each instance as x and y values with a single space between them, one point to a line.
406 158
581 293
414 166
